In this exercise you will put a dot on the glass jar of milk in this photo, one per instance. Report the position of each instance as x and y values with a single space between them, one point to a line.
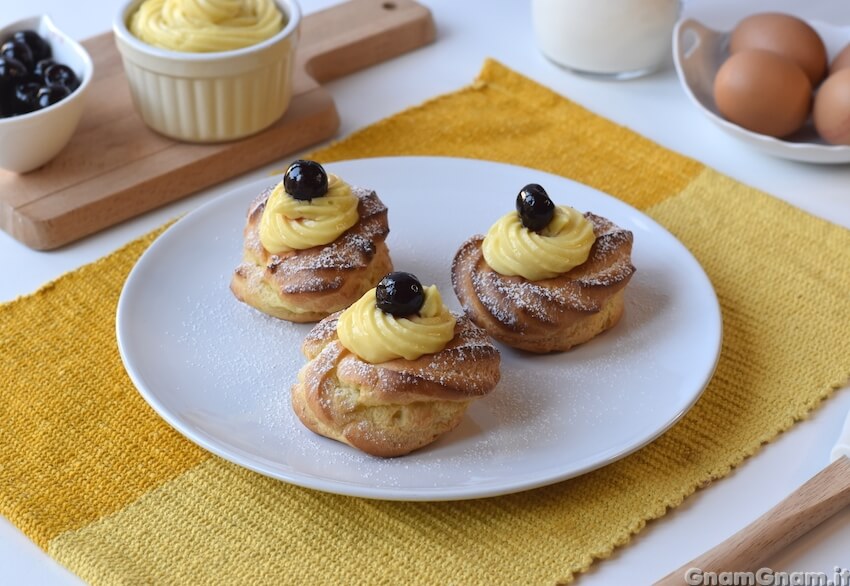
619 39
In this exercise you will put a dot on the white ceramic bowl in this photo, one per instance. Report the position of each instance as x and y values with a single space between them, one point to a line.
31 140
698 53
210 97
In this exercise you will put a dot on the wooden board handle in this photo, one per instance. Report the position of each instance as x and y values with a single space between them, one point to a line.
116 168
816 501
360 33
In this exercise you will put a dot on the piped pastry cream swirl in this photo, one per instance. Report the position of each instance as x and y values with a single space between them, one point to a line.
205 26
292 224
512 249
376 336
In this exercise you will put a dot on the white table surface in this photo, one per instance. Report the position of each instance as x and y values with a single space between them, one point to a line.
470 31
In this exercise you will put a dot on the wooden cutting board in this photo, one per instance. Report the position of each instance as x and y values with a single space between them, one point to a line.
116 168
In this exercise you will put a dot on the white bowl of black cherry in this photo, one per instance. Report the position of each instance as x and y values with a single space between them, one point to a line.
44 76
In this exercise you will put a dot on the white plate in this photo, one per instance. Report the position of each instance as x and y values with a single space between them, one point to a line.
220 372
698 52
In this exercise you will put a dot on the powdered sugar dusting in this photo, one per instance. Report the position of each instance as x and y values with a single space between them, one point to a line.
453 368
321 268
511 299
222 371
607 264
255 375
514 301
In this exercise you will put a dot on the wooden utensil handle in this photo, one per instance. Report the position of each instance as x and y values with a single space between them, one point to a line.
357 34
817 500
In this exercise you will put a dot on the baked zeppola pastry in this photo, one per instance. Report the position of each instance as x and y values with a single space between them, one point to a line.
313 245
545 278
394 371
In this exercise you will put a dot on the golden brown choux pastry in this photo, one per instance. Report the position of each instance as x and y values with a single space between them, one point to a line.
392 407
305 285
554 313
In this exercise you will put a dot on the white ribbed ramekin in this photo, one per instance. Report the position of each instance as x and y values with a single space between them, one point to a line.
210 97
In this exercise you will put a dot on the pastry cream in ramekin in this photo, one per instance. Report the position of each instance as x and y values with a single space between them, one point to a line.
512 249
376 336
213 96
205 26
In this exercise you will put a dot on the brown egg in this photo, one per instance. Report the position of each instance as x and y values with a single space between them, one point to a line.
763 92
841 61
832 108
785 35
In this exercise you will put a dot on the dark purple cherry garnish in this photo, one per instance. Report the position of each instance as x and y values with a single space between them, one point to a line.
42 66
5 104
305 180
38 46
19 52
47 96
61 75
534 207
25 94
10 70
399 294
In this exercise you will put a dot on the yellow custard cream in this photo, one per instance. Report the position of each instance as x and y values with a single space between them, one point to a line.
292 224
512 249
205 26
376 336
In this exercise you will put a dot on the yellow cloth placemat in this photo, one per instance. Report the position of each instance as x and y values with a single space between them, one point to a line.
91 474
